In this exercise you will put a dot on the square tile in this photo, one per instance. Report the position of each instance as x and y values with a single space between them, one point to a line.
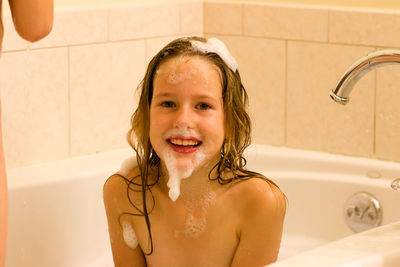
11 40
262 69
103 82
34 95
286 22
388 113
222 17
316 122
365 27
144 20
76 26
191 17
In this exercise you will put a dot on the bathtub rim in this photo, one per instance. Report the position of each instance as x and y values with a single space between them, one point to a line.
300 160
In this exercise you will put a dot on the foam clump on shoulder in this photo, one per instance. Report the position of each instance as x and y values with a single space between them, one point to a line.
128 165
214 45
129 235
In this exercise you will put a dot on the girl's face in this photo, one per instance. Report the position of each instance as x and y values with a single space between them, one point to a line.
187 114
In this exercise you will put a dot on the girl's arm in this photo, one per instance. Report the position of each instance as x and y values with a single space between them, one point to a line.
3 202
123 255
263 208
33 19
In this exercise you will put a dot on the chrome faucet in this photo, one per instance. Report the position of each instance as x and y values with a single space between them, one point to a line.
356 71
359 68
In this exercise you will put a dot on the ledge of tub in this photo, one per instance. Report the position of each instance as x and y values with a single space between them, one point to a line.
377 247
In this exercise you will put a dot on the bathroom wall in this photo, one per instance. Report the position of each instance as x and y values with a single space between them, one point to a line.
380 4
72 93
291 56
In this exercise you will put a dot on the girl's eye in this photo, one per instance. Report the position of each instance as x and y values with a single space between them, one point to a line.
203 106
168 104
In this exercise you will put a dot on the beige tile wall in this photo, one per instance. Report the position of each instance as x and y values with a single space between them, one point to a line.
102 84
263 75
314 121
309 47
73 92
388 113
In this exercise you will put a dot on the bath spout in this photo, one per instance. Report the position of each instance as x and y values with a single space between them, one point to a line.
359 68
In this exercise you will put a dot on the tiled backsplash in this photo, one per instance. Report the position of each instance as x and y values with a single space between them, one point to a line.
73 92
291 56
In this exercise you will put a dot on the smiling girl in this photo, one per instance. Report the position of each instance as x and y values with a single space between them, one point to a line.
187 199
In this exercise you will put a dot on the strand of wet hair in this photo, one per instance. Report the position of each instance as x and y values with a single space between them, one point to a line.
146 214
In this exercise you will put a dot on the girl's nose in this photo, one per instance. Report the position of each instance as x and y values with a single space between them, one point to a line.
184 116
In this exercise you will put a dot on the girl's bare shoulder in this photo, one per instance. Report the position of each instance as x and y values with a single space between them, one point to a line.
258 193
117 186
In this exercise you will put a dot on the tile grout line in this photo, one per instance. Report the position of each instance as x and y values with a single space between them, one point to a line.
329 10
180 26
329 27
242 17
375 114
69 101
108 24
285 95
203 21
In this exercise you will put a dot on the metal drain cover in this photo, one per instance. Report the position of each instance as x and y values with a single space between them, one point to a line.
362 211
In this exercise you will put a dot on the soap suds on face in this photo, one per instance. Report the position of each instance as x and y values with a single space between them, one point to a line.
129 235
175 77
197 199
177 171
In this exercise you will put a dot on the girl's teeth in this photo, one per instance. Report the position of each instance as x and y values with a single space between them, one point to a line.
180 142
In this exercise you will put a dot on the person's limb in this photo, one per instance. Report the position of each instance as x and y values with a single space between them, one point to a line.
3 202
261 232
33 19
123 255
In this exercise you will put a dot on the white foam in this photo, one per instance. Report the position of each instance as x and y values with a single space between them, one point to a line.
129 235
178 172
175 78
214 45
196 225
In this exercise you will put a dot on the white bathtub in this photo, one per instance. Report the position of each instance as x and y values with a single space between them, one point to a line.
56 214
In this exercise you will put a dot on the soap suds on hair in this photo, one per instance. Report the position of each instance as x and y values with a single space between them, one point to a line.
214 45
129 235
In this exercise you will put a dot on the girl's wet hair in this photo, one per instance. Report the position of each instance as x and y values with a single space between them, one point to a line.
237 126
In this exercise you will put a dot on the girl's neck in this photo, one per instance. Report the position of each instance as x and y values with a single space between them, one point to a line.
195 186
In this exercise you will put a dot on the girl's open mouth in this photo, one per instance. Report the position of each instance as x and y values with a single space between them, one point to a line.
182 145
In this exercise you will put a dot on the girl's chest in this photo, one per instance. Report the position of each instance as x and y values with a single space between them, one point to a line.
187 233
